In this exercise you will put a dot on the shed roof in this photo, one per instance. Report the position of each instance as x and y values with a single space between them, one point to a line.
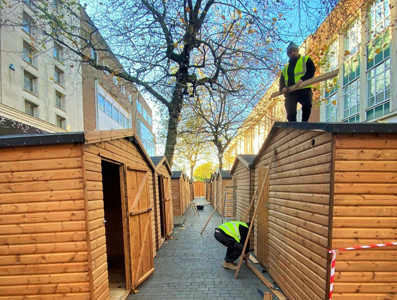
339 127
89 137
225 174
159 160
176 174
245 159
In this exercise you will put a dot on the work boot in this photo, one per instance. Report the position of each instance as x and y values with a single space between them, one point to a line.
229 266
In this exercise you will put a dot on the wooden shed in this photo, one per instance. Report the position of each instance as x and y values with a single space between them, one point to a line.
223 192
213 189
207 187
56 193
180 192
244 179
331 186
163 199
199 189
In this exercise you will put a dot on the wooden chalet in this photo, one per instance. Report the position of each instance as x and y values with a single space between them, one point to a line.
199 189
76 215
164 217
213 189
331 186
223 180
244 179
207 188
180 192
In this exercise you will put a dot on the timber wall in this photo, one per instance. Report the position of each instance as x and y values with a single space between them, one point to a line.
299 195
122 151
199 189
43 248
365 213
179 195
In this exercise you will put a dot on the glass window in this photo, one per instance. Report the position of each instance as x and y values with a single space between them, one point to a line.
379 18
331 108
148 139
27 23
129 97
144 114
29 82
115 81
61 122
138 106
58 76
94 55
332 56
123 89
101 102
115 114
126 122
57 51
351 101
27 53
149 119
108 108
59 100
353 39
30 108
121 118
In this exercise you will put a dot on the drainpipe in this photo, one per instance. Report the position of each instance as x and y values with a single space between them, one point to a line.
96 104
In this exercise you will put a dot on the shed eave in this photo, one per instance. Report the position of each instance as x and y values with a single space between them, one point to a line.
39 139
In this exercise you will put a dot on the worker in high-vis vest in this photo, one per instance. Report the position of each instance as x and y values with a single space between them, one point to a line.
233 235
298 69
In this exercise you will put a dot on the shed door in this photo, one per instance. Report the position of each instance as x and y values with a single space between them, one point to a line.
167 203
140 230
263 218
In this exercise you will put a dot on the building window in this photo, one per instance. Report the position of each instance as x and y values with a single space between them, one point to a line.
144 114
58 76
129 98
331 108
331 86
147 138
27 23
108 108
121 119
101 102
27 53
115 113
123 89
126 122
352 39
105 71
61 122
149 119
138 106
29 82
351 102
115 81
30 108
57 51
59 100
378 18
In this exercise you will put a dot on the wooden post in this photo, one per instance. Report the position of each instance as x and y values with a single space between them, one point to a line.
214 210
267 296
310 81
249 209
254 215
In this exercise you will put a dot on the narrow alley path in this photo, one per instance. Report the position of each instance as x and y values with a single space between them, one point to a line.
189 266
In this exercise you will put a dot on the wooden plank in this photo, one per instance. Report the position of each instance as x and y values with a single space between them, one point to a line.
94 185
364 222
269 284
311 170
43 258
302 197
73 296
365 166
44 289
355 296
366 233
351 242
367 177
317 188
26 197
384 253
39 153
43 279
366 141
309 82
366 154
42 217
365 188
44 268
38 186
43 248
36 165
42 238
365 287
366 277
309 179
11 177
311 207
42 227
48 206
312 217
363 200
365 211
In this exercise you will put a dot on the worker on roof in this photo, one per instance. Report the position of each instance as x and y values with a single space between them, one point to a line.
298 69
233 235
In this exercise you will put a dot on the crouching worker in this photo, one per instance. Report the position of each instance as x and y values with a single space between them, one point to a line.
233 235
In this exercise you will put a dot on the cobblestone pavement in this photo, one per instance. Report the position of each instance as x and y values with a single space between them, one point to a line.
189 266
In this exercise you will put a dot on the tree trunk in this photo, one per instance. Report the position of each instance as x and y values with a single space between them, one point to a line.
220 157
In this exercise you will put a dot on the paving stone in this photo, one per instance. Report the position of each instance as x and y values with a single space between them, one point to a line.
191 266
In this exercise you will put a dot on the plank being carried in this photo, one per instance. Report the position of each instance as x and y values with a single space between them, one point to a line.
308 82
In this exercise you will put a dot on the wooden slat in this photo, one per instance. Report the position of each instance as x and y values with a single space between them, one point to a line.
25 197
311 207
36 165
38 186
365 188
365 211
43 258
365 166
45 289
44 268
364 222
366 276
73 296
370 177
355 296
12 177
42 227
302 197
39 153
366 233
384 253
351 242
47 206
42 217
312 217
43 248
366 154
311 170
366 141
42 238
376 287
363 200
43 279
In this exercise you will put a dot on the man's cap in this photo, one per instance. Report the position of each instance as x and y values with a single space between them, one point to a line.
292 46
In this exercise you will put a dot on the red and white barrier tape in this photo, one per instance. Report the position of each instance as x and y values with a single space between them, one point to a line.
333 252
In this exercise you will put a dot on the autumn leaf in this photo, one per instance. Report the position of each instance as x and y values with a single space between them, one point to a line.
333 102
274 19
51 78
385 45
370 59
175 45
135 291
377 51
347 52
255 10
280 15
187 8
223 17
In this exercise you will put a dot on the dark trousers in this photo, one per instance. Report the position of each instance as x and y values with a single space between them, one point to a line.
234 248
305 98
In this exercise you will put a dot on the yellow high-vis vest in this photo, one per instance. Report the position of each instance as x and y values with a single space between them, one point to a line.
299 71
231 229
